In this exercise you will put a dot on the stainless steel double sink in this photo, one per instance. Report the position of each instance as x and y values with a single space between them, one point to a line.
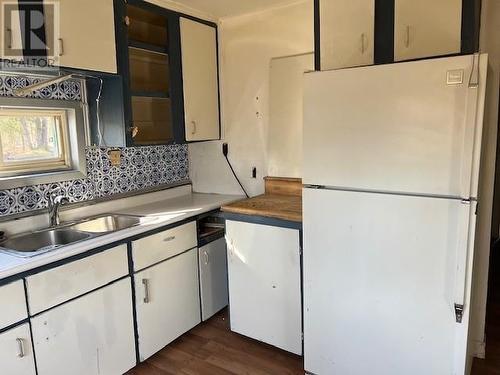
34 243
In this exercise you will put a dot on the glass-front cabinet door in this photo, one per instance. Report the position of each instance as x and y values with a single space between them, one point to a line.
145 62
149 77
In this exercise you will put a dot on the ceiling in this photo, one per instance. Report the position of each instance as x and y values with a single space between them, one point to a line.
226 8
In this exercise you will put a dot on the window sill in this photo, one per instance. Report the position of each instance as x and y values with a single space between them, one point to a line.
40 178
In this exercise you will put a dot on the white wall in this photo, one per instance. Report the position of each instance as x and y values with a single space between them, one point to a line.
247 45
181 8
490 27
286 92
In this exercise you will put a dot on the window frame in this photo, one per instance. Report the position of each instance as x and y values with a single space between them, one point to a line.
76 132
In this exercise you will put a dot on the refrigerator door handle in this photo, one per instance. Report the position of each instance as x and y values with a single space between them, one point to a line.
462 256
459 312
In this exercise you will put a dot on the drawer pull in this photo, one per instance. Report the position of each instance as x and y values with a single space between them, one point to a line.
207 258
145 282
168 239
407 37
9 38
20 348
61 47
363 49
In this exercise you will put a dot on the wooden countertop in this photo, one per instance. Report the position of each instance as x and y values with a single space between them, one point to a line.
285 207
276 203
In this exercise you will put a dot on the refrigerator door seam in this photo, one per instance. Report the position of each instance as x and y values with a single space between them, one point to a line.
406 194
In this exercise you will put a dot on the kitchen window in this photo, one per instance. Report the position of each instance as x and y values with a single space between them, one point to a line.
33 140
41 141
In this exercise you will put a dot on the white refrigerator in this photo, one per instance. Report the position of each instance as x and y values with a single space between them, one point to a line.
391 166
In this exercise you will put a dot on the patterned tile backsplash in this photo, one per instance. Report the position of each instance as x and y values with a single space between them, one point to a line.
67 90
140 168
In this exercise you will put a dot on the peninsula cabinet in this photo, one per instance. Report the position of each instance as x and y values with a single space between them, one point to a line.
170 71
93 334
265 283
16 353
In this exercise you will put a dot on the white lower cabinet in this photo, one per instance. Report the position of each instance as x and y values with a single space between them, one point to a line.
16 354
167 301
93 334
213 278
265 283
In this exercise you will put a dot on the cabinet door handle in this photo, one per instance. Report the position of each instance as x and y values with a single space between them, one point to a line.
207 258
363 43
134 130
126 19
147 298
168 239
20 348
61 47
407 37
9 38
194 127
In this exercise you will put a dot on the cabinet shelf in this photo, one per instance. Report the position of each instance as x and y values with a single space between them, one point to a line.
148 47
150 94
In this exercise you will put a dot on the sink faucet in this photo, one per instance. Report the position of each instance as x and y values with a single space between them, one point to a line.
55 201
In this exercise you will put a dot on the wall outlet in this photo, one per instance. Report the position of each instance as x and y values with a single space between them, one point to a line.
115 157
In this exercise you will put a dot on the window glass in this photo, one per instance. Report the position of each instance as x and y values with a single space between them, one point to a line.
31 140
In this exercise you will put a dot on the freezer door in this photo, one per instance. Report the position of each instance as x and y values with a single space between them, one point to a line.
407 127
382 274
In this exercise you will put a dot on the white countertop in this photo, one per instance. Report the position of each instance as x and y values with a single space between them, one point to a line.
156 214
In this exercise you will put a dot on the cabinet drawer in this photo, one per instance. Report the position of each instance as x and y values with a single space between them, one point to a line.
52 287
15 310
153 249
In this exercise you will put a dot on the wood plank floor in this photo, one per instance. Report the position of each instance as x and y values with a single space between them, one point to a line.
491 365
212 349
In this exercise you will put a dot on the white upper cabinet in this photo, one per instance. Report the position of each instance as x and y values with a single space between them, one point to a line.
426 28
11 44
86 37
347 33
200 80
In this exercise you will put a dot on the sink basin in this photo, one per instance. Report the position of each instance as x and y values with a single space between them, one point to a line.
106 224
34 243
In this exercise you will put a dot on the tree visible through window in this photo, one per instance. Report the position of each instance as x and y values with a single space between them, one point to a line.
32 140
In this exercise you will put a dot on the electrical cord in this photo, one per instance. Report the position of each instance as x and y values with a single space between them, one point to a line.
225 150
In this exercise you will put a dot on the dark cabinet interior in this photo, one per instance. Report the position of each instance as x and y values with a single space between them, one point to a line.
148 48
